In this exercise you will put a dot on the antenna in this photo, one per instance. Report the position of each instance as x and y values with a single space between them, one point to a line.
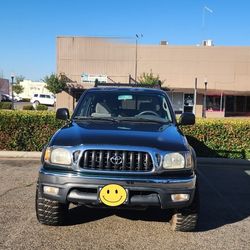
204 10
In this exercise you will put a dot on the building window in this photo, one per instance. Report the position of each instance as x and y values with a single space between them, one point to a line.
230 104
188 102
240 104
248 104
214 103
237 104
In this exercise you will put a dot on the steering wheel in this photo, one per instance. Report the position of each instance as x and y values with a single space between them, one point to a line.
148 112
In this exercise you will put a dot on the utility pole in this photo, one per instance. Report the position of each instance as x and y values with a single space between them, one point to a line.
12 95
205 101
136 48
195 95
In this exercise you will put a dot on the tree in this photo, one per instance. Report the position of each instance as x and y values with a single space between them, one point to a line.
17 88
149 78
54 83
19 79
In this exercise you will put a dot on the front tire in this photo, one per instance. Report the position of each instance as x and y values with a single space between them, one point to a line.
185 219
50 212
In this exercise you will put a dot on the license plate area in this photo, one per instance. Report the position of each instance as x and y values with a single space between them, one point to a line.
113 195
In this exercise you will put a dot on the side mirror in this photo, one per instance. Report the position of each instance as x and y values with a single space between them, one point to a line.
187 119
62 114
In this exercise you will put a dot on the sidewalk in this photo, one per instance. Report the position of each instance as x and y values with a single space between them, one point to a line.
20 154
200 160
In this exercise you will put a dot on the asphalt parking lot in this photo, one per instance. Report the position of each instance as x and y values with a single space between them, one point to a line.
224 218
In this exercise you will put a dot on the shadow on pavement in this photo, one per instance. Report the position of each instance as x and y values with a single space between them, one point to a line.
224 196
202 150
82 214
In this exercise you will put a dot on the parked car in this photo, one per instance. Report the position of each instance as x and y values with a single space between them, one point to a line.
6 98
122 148
18 98
45 99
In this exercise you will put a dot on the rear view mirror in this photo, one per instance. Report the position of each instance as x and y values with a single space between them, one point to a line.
187 119
62 114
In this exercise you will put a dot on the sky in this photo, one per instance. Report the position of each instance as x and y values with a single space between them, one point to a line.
28 28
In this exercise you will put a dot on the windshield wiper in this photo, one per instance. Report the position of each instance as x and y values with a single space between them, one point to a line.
120 119
143 119
86 118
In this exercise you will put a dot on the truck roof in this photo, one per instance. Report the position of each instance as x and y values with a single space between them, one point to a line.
123 89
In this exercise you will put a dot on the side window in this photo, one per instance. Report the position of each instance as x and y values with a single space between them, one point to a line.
42 96
47 96
35 95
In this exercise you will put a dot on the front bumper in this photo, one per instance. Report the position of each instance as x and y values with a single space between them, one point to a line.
143 191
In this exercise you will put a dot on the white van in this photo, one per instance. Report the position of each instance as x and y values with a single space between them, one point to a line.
46 99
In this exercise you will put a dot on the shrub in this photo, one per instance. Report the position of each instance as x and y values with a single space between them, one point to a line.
26 130
5 105
41 107
29 131
229 138
28 107
26 100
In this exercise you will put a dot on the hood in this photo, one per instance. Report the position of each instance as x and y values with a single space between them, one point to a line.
161 136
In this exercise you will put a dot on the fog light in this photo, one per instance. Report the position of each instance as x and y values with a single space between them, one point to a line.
180 197
50 190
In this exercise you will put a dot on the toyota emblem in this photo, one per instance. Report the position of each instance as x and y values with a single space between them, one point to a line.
116 159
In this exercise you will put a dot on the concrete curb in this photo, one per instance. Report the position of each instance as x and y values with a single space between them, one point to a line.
20 154
201 160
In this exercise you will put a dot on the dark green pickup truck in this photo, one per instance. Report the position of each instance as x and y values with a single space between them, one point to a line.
121 148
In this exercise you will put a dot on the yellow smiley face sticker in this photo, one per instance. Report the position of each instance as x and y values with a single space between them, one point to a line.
113 195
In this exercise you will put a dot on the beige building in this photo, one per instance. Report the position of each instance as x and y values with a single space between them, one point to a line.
214 80
30 88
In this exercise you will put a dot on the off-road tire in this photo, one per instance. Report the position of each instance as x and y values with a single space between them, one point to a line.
36 102
185 220
50 212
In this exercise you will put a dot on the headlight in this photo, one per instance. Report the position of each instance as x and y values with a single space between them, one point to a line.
177 161
60 156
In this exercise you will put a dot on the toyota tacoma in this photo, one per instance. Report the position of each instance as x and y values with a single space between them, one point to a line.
121 148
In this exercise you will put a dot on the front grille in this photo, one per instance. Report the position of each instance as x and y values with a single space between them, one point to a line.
116 160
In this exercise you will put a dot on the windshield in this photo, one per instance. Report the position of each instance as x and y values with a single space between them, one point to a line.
124 106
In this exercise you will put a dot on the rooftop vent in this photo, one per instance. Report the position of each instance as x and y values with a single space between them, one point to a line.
208 43
163 43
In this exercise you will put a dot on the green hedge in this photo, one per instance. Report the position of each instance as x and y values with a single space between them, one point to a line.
30 130
26 100
41 107
229 138
26 130
5 105
28 107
